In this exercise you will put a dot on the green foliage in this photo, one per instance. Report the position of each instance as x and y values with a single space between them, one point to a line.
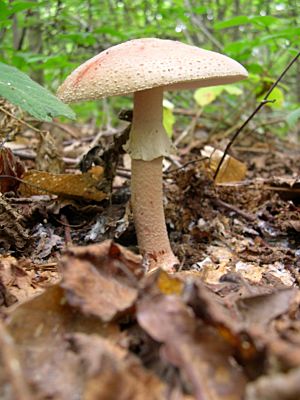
293 117
259 21
276 98
48 39
168 117
207 95
19 89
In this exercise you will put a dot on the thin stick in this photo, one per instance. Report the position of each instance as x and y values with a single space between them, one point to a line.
20 120
185 164
260 105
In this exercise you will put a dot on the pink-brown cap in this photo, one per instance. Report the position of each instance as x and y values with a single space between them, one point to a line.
141 64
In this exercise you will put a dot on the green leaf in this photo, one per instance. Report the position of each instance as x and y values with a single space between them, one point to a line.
207 95
293 117
200 10
289 34
4 11
18 6
255 68
168 117
276 95
19 89
263 20
258 20
233 89
235 21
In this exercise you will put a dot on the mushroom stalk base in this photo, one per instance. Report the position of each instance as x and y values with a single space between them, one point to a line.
148 214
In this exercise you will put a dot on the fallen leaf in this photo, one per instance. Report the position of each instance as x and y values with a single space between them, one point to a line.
168 284
283 386
201 355
101 280
111 373
247 347
84 186
39 328
262 309
12 380
232 170
18 284
10 166
13 233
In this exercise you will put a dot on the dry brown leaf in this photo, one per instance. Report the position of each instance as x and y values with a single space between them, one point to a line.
284 386
39 328
13 385
232 170
13 233
10 166
283 354
288 188
254 346
263 308
247 346
111 373
168 284
17 282
198 351
101 280
85 186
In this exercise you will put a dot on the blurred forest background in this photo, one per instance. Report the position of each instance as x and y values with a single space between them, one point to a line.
48 39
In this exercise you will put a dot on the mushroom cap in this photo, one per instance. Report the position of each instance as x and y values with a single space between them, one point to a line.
146 63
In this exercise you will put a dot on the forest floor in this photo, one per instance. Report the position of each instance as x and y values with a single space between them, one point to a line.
82 320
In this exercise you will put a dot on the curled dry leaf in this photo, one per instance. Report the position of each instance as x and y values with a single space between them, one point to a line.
12 380
202 356
10 166
262 309
254 341
168 284
13 233
111 373
288 188
39 329
101 280
283 386
17 283
232 170
84 186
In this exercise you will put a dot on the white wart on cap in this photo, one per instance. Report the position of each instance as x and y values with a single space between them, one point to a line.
141 64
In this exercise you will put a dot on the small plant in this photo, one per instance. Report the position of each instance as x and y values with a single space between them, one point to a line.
20 90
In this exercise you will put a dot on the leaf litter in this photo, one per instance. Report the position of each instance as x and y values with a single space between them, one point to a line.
81 320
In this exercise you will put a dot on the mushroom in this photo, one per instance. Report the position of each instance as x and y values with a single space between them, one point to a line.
146 68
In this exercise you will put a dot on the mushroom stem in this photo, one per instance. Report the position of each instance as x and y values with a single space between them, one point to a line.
148 214
147 145
148 137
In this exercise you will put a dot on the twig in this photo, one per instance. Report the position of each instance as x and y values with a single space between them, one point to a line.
20 120
62 127
260 105
184 165
31 155
249 217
